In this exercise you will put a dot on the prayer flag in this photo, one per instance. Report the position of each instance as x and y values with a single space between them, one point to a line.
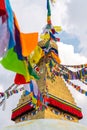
11 62
2 8
4 38
32 72
35 56
10 24
17 48
19 79
28 42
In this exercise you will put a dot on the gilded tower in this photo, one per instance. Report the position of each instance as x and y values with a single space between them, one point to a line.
61 104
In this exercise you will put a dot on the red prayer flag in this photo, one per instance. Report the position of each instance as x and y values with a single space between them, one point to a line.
19 79
2 8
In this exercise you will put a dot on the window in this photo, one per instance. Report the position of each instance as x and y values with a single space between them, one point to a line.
56 112
23 118
69 117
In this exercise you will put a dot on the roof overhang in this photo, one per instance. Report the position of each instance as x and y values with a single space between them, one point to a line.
53 101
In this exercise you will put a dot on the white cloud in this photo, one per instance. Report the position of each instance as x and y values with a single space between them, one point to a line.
67 55
75 21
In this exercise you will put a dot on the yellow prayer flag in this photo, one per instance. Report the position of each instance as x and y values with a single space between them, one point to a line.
58 28
35 56
45 36
34 100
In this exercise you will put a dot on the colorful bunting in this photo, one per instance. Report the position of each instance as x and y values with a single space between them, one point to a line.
50 31
76 66
77 87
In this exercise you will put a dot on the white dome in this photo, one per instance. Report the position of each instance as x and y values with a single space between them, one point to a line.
46 124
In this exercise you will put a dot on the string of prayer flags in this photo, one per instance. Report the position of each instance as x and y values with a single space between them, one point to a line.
9 92
76 66
78 88
11 87
14 91
50 32
69 75
72 75
84 82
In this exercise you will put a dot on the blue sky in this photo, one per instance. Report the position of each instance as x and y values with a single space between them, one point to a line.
72 16
70 39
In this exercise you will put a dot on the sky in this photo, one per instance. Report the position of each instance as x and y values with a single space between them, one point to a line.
72 17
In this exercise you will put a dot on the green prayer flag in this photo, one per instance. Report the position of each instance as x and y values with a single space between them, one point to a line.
47 44
11 62
48 8
50 64
32 72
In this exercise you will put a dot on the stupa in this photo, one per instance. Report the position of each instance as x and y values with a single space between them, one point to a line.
55 107
61 103
62 111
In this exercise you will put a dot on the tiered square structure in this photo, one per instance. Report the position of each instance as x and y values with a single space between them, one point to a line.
61 102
